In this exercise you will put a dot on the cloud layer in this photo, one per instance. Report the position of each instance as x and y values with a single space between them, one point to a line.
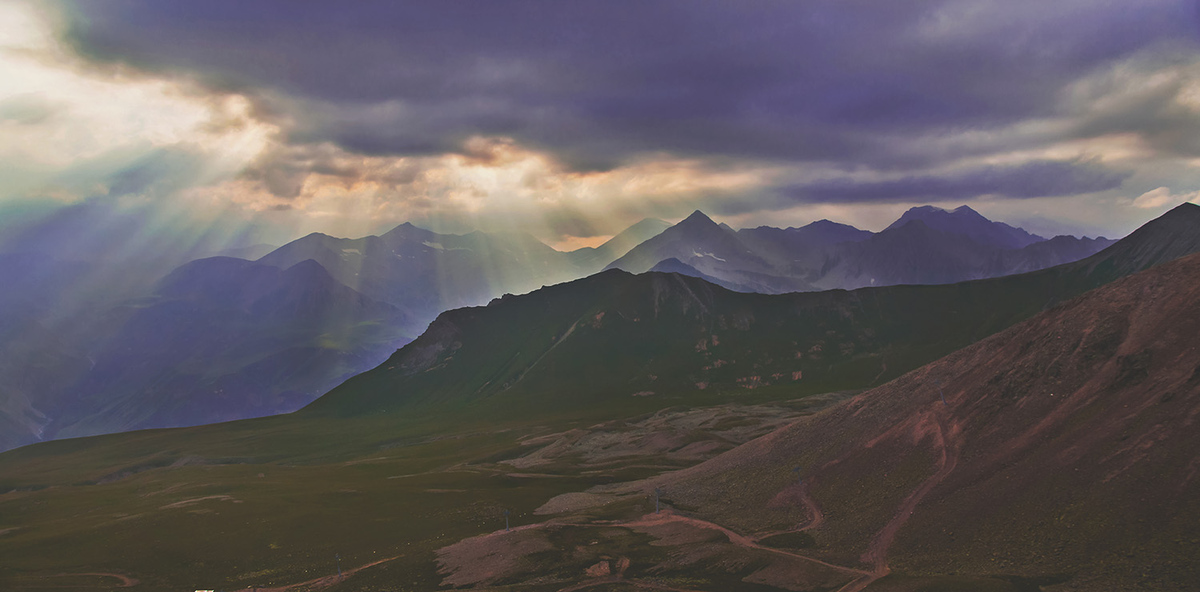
577 118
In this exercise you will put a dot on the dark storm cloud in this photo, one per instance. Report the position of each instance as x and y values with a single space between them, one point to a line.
597 83
1029 180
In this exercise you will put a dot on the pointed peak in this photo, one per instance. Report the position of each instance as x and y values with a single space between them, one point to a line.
406 229
698 225
698 220
1186 207
966 211
1184 213
308 268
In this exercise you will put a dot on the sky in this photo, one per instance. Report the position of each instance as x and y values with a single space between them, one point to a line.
573 120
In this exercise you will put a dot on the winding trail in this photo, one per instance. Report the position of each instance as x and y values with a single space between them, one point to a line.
126 581
816 517
325 581
947 437
937 423
735 538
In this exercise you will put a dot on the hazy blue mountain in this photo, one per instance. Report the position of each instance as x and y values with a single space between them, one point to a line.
48 325
1048 253
423 272
593 259
225 338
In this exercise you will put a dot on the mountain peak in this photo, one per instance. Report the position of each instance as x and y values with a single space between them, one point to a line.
698 222
407 230
966 221
406 227
698 217
932 212
1186 208
309 269
826 224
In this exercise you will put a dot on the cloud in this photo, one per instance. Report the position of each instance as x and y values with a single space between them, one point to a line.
488 183
832 81
69 133
1024 181
1162 196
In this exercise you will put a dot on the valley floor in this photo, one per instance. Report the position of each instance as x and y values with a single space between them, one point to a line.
415 511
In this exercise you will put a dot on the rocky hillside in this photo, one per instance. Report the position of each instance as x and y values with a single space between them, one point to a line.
1064 447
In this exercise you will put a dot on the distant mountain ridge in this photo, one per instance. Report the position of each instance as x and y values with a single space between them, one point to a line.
418 274
926 245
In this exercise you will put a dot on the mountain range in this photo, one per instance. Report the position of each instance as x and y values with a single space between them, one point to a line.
926 245
180 350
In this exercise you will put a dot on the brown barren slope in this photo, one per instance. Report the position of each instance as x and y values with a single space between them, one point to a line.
1067 446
